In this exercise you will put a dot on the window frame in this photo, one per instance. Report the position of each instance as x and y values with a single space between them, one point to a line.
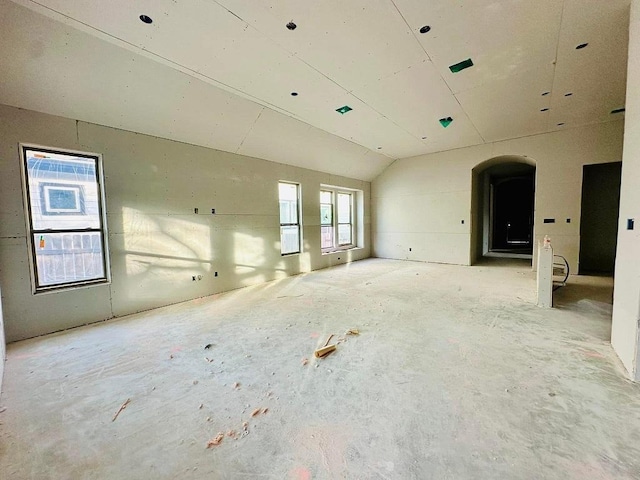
298 217
31 231
335 191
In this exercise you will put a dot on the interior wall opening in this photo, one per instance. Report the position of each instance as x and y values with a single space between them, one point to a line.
599 218
503 203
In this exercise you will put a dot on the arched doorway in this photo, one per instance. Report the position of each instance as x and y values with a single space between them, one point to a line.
502 208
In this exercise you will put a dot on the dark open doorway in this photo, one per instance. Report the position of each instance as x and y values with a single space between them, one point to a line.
502 206
512 199
599 217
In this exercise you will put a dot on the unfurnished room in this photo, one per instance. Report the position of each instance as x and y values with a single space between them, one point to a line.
302 240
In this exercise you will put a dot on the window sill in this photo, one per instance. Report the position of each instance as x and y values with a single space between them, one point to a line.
342 250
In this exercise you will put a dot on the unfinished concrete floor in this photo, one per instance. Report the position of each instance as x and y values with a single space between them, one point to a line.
456 375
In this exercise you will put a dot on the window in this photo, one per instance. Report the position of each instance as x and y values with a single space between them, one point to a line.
336 219
326 220
289 218
65 215
344 219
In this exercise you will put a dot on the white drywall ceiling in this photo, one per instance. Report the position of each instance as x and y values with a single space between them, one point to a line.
213 72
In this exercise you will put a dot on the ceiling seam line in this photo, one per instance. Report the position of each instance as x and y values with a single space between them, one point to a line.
197 74
217 83
555 62
246 135
410 29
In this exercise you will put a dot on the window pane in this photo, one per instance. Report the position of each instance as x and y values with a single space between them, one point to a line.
288 212
344 208
63 191
326 214
326 237
289 239
325 197
68 257
344 235
288 202
288 191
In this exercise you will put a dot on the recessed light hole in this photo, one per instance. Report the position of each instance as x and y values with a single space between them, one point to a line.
146 19
561 124
545 94
291 25
568 94
343 110
379 148
425 29
618 110
294 94
581 46
544 109
424 138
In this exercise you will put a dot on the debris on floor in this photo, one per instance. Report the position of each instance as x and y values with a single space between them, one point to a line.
265 410
352 331
256 412
236 385
305 360
200 407
245 426
122 407
208 359
324 351
328 340
208 346
215 441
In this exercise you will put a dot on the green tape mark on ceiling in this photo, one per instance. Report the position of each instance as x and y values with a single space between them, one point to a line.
458 67
343 110
445 122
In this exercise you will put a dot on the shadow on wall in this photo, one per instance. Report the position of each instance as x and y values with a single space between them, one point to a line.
502 207
177 257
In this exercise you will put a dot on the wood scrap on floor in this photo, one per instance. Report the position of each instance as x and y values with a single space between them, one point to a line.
328 340
122 407
352 331
324 351
256 412
215 441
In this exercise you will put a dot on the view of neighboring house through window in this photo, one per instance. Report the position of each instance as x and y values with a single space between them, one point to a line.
65 214
289 218
336 219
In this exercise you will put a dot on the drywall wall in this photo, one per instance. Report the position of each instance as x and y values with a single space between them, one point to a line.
425 203
2 344
157 243
626 298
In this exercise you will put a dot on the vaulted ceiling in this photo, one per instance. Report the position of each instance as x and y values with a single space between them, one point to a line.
221 73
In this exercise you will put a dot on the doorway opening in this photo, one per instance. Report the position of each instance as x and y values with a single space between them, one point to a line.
599 218
503 203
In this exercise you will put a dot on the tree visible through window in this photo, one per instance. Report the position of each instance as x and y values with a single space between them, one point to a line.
66 218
